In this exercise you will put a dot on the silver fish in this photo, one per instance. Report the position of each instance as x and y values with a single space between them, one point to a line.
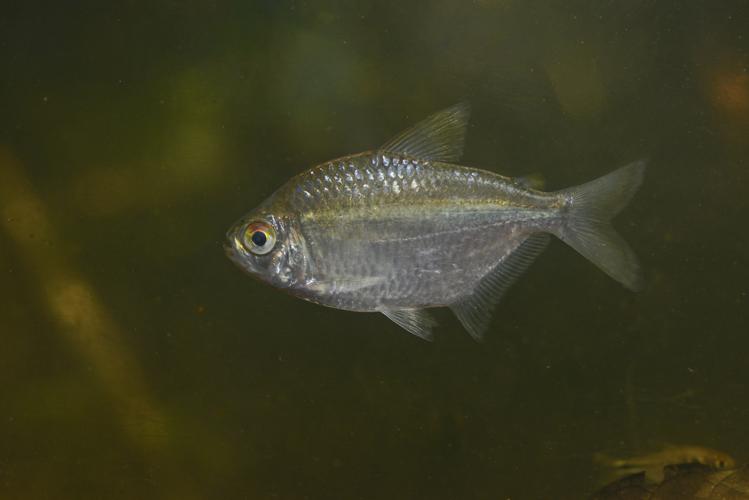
403 228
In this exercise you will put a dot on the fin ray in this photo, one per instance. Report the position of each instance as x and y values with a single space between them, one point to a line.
439 137
474 310
588 227
415 321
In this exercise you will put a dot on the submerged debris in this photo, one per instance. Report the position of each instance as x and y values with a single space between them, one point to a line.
681 482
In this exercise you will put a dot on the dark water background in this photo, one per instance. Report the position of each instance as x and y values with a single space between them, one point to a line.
138 362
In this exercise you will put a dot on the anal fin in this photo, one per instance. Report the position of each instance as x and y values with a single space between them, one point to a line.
474 310
415 321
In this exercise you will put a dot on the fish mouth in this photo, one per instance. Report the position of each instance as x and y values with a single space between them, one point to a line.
231 252
235 253
231 242
230 247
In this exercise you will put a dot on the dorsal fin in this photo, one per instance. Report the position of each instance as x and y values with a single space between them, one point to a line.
439 137
474 310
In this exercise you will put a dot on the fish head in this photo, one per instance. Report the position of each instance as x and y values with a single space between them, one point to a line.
269 247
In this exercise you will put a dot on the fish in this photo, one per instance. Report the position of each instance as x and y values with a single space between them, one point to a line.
404 228
654 464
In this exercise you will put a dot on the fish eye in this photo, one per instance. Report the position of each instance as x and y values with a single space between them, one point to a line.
259 237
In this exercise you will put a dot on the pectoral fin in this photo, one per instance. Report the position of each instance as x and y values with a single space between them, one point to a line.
439 137
474 310
345 285
415 321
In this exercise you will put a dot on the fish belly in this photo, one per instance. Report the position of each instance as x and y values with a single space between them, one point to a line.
411 261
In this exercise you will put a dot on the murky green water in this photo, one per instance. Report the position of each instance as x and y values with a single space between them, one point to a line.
138 362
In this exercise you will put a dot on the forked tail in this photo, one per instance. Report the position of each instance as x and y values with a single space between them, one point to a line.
588 228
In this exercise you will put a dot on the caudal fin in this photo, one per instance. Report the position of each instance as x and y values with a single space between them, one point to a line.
588 226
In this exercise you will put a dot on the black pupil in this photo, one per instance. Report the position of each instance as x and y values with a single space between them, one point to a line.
259 238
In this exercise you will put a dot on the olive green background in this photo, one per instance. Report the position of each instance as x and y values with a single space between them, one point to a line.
137 361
